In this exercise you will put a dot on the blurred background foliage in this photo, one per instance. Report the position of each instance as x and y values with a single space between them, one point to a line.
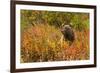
79 21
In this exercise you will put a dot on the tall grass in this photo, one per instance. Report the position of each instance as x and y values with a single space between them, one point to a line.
41 43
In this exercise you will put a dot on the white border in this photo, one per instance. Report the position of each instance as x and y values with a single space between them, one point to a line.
59 63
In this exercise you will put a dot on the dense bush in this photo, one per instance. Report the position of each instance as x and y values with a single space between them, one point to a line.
42 43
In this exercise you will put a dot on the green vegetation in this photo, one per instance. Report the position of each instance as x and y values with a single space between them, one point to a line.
79 21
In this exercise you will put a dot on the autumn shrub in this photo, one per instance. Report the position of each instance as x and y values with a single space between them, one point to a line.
41 43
